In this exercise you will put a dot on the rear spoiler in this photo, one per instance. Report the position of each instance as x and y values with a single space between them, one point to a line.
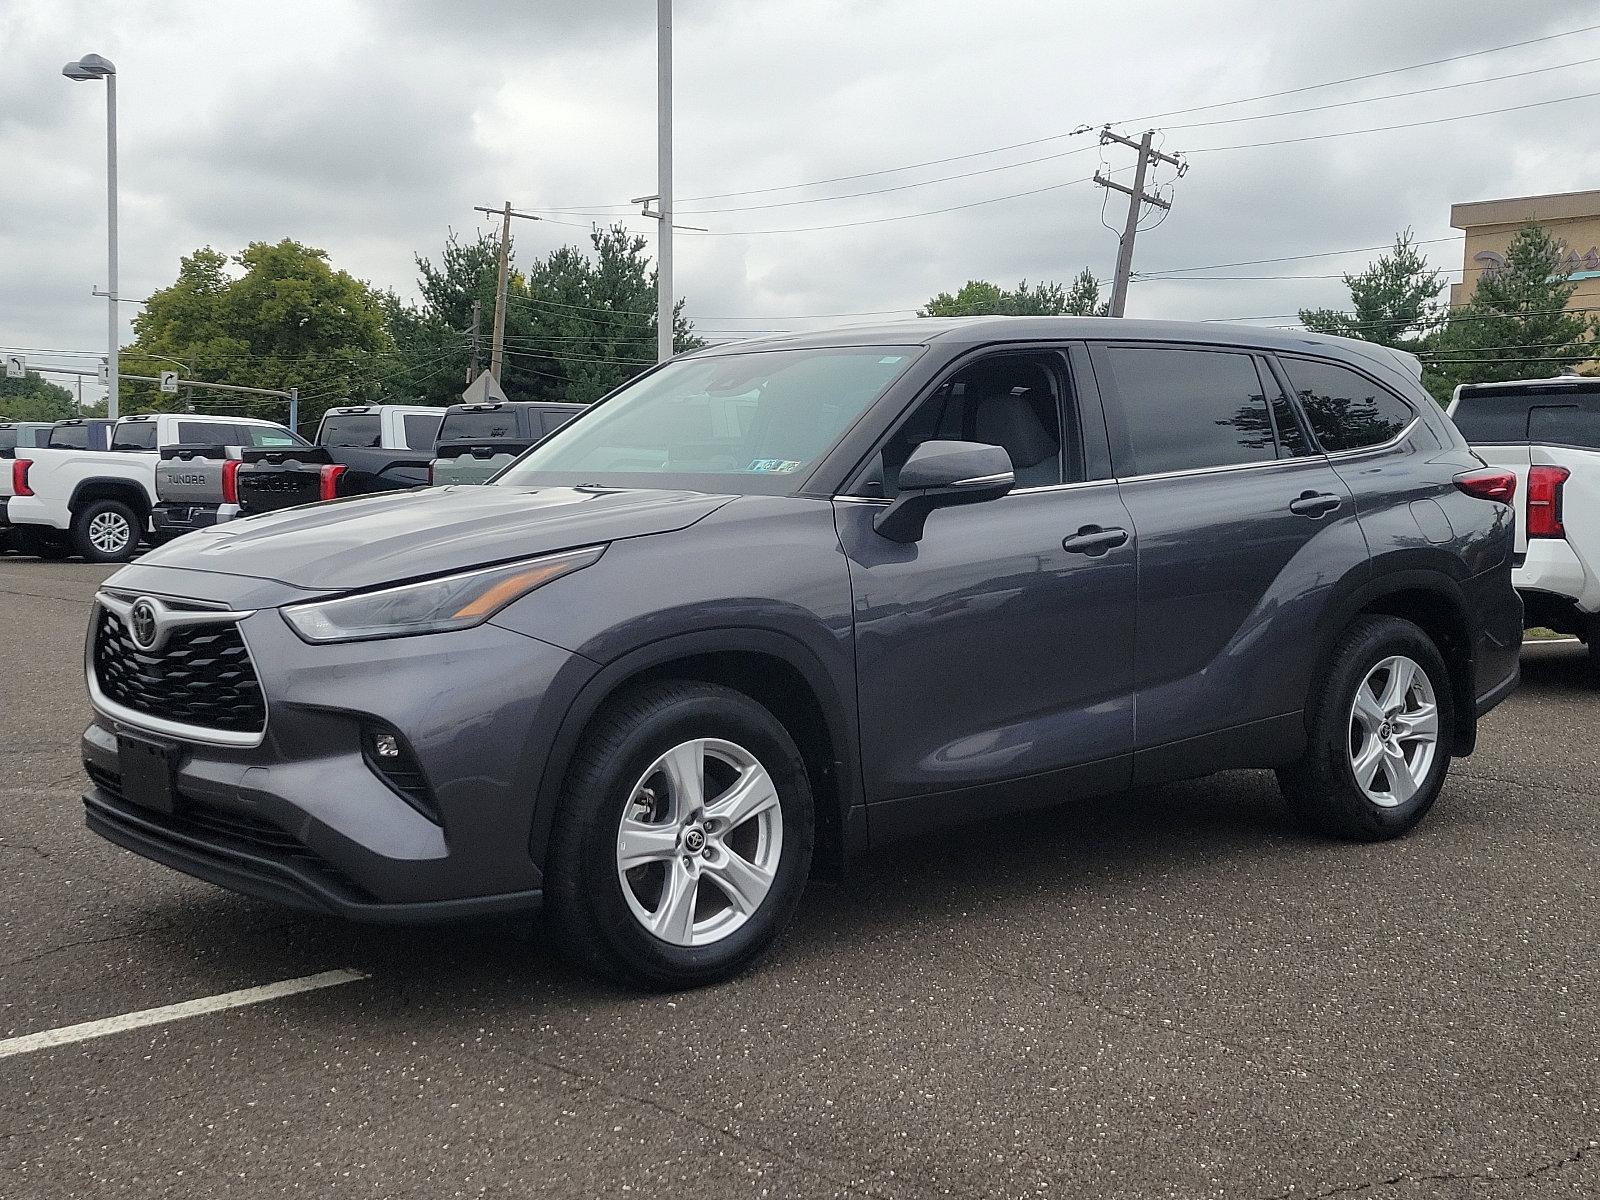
282 454
484 448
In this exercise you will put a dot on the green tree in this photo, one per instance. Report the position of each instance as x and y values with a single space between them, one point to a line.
288 319
981 298
1516 326
579 322
1391 302
33 399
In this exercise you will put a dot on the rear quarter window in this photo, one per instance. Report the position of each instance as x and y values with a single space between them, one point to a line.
422 431
1346 410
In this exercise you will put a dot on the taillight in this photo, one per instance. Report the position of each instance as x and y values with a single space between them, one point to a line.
230 481
19 477
330 481
1544 501
1491 484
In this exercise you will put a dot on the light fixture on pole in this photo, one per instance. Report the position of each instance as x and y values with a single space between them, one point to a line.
90 67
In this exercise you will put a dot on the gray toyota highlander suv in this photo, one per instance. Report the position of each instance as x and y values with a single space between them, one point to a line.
769 604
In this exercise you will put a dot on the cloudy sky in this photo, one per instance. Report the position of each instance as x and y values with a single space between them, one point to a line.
372 128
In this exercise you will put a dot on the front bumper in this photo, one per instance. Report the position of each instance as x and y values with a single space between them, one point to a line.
302 818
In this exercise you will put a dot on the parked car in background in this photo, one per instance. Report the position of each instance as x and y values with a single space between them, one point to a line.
1547 432
769 603
22 433
97 503
478 441
358 449
196 486
81 433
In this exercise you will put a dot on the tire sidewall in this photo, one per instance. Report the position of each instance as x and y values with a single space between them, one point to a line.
80 531
1383 641
702 714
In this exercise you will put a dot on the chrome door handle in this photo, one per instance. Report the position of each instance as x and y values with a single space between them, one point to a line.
1094 541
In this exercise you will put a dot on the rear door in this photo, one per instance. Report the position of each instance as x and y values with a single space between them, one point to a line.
1243 529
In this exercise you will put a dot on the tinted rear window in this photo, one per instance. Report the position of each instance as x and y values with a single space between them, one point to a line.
351 429
1347 411
1189 409
133 435
8 439
1564 415
464 426
69 437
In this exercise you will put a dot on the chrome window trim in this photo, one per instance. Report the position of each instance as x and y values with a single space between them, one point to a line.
144 722
1381 446
1022 491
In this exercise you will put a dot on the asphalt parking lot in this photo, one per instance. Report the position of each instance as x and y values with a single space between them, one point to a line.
1169 993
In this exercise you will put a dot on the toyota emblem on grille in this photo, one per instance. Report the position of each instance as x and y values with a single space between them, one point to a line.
144 624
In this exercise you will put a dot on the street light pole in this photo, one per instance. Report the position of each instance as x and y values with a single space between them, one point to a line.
93 66
664 300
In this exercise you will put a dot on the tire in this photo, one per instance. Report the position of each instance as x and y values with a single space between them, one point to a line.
1323 790
95 529
623 770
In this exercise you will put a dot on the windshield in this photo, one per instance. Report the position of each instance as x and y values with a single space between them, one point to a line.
350 429
133 435
743 423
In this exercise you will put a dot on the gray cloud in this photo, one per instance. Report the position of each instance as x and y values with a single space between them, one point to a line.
370 129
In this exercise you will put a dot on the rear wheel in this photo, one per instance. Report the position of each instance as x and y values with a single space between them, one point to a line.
684 839
105 531
1379 736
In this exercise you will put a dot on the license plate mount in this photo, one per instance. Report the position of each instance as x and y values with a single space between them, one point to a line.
148 771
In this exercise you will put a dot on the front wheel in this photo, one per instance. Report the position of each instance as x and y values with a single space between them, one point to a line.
1379 734
105 531
684 838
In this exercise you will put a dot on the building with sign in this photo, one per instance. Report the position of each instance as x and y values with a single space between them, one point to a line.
1573 219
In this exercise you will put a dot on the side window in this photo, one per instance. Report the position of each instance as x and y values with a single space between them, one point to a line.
133 435
1012 401
268 435
554 420
1292 439
1347 411
1185 409
208 433
422 431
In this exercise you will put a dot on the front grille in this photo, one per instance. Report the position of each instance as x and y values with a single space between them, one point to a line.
201 676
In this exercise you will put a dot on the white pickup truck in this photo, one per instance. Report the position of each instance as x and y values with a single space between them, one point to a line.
1548 432
97 503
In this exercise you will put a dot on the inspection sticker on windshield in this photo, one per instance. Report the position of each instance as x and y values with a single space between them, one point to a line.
772 466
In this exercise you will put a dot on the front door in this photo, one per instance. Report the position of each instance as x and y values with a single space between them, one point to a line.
994 656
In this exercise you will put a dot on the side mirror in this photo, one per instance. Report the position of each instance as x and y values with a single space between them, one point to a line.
939 475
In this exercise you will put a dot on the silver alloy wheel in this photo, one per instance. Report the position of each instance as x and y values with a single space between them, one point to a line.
705 813
1394 731
109 532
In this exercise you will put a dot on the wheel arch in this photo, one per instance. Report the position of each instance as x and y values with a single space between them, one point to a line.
1433 601
126 490
773 669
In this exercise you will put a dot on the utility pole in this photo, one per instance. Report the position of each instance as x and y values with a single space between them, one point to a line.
664 300
505 214
1136 199
475 336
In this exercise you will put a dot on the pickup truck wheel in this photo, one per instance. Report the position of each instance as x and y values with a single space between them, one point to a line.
1379 735
684 839
105 531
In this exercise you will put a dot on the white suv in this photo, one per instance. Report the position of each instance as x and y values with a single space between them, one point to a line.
1548 432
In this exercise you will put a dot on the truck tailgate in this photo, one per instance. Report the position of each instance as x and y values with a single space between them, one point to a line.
272 479
192 474
474 462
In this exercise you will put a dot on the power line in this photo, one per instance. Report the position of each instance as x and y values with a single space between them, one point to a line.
937 162
1319 137
1257 262
1443 87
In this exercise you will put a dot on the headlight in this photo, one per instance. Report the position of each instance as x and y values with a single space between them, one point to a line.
433 605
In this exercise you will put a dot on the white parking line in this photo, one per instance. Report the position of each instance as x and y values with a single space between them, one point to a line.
173 1012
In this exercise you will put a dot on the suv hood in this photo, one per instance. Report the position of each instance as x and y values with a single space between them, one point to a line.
367 541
